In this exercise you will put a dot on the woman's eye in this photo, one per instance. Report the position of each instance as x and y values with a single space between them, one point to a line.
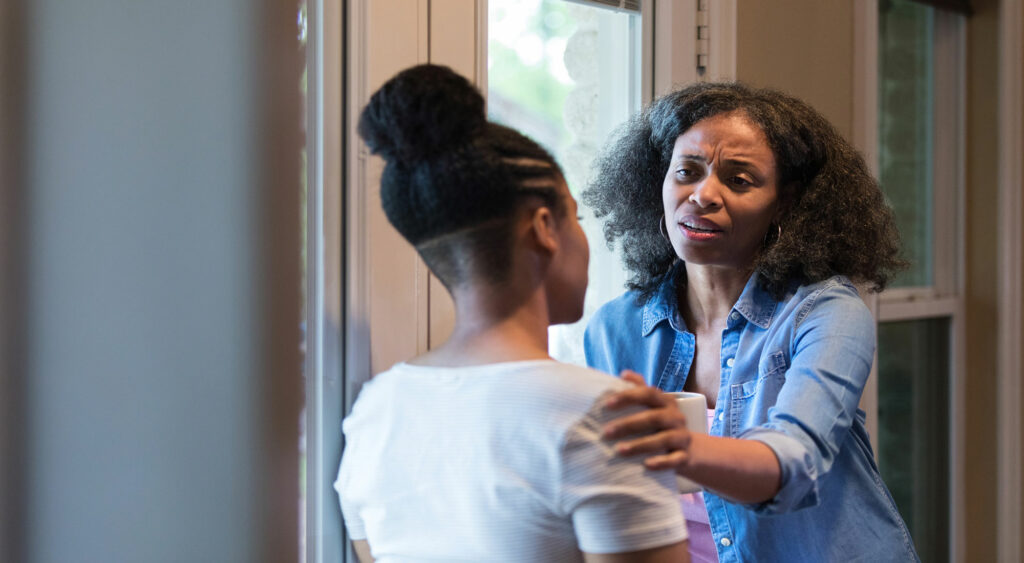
739 181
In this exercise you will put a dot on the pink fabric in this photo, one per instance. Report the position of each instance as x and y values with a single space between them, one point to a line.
702 543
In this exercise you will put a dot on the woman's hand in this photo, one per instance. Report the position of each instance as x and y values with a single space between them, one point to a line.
744 471
659 431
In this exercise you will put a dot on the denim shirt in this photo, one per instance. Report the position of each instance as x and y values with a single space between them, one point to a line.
792 375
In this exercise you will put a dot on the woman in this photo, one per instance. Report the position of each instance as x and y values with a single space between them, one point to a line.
744 219
485 449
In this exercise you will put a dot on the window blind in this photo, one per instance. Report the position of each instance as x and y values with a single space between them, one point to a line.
624 5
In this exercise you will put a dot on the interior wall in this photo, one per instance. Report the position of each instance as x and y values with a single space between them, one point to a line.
981 299
803 47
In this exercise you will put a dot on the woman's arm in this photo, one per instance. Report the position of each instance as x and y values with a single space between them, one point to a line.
831 354
745 471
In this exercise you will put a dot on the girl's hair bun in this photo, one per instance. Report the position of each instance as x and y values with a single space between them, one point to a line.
423 111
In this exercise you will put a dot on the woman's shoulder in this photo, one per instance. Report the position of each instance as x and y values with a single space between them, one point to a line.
837 289
835 297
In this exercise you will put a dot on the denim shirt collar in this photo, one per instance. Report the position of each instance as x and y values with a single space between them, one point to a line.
755 304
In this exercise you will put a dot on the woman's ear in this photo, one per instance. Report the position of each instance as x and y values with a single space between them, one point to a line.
543 229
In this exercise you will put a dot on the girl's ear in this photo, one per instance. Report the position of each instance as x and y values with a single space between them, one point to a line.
543 229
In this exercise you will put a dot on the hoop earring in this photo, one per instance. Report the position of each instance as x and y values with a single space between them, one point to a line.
664 229
778 235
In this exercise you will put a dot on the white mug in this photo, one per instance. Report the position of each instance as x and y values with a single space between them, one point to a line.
694 407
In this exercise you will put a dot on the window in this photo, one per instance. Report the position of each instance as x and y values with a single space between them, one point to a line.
566 74
920 70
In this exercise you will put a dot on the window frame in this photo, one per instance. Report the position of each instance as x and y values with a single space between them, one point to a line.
327 395
1010 523
944 298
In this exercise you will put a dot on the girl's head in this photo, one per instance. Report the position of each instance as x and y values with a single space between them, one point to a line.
828 217
469 194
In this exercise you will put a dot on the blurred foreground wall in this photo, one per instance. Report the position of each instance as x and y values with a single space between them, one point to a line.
151 283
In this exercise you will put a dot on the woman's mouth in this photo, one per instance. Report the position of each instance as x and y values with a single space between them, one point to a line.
699 229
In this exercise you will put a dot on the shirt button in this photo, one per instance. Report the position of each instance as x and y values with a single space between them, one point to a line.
730 362
726 542
721 416
734 315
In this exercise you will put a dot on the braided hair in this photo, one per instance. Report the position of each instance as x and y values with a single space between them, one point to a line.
454 182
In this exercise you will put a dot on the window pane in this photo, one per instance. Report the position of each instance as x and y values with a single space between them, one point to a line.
566 75
905 128
913 427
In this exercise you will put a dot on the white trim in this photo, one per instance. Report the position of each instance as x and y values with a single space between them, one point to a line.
457 40
675 52
1011 179
314 495
722 48
865 80
387 279
357 260
324 539
916 293
646 53
869 397
958 435
890 311
423 275
356 358
945 159
958 361
482 15
865 138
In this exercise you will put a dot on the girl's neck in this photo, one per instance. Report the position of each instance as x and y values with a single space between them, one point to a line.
490 330
710 294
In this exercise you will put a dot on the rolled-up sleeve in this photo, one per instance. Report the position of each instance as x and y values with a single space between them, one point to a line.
831 356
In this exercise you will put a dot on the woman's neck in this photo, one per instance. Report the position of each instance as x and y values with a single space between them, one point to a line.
710 294
489 328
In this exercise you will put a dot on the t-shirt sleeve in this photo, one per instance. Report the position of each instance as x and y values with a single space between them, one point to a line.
616 504
349 509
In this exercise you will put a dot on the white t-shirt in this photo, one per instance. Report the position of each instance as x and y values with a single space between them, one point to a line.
502 462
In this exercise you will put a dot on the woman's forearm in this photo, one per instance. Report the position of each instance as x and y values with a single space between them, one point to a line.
744 471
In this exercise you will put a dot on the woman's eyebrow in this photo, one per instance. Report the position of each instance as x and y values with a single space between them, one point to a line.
741 161
733 160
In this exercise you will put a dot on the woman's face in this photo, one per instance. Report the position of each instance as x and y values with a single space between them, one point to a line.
567 285
720 192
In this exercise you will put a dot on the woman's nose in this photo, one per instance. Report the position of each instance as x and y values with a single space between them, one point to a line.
707 194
